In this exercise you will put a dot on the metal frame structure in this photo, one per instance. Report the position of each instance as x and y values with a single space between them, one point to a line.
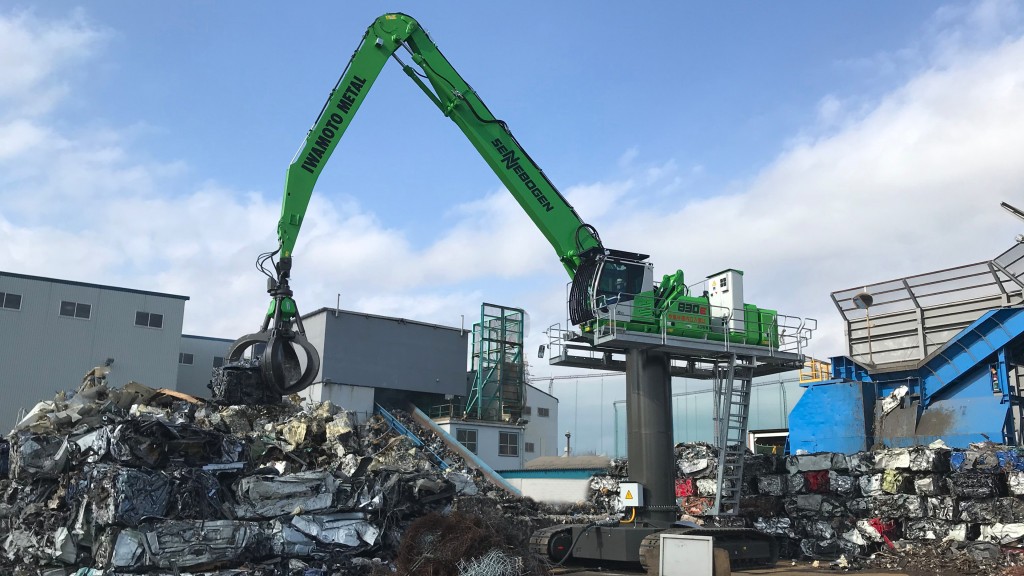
907 320
498 364
649 361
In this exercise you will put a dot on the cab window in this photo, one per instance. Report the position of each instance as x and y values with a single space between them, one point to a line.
620 281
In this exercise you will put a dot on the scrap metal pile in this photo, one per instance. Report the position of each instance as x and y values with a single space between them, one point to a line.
136 480
961 511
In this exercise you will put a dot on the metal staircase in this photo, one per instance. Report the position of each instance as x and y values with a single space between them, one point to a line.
732 412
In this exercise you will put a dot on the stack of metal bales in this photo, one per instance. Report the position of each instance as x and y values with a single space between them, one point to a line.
897 498
888 501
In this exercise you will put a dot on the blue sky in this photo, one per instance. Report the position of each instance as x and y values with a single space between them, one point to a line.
816 146
228 89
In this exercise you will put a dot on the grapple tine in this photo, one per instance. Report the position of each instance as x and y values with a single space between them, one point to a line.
281 365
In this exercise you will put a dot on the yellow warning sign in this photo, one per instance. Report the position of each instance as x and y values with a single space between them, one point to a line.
629 495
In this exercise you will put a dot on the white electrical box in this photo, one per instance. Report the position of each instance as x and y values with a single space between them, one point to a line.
725 293
631 494
683 555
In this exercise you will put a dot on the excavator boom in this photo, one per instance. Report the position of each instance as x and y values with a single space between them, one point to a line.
289 362
454 97
611 286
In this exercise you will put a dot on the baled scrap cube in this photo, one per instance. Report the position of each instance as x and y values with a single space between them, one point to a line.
272 496
893 481
1003 533
772 484
1015 482
926 529
127 496
38 456
187 543
809 462
871 485
979 511
928 485
973 485
346 528
816 481
776 526
795 484
861 463
707 487
841 483
942 508
892 459
925 459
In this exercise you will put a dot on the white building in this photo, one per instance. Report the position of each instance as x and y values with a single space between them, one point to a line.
540 436
498 444
510 445
557 479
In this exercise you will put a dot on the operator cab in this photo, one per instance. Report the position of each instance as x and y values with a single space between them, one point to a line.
608 280
620 281
606 283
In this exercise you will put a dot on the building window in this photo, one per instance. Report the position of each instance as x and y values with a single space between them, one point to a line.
218 361
149 319
75 310
543 412
528 447
527 410
10 301
186 358
508 444
466 437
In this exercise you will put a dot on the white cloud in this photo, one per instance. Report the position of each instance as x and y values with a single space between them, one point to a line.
905 185
627 157
912 185
35 55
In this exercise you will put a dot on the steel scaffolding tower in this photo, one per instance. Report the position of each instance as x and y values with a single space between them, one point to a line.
498 364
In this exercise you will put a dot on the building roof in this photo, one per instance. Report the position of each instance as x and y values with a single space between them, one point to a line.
377 316
90 285
590 462
211 338
542 392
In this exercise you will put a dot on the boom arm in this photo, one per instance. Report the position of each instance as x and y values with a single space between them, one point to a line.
577 244
545 205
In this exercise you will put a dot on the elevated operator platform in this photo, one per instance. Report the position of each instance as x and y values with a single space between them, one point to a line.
696 358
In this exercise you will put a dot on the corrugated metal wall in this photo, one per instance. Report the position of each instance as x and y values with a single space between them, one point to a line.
380 352
42 352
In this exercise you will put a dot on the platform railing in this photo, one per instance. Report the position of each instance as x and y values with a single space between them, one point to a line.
906 320
727 327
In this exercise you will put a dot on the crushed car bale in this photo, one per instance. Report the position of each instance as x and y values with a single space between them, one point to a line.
133 480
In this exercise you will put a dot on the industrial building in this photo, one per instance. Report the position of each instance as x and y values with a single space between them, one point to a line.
53 331
197 358
369 359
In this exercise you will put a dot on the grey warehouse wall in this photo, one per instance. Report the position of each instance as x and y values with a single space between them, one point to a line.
381 352
193 378
42 352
